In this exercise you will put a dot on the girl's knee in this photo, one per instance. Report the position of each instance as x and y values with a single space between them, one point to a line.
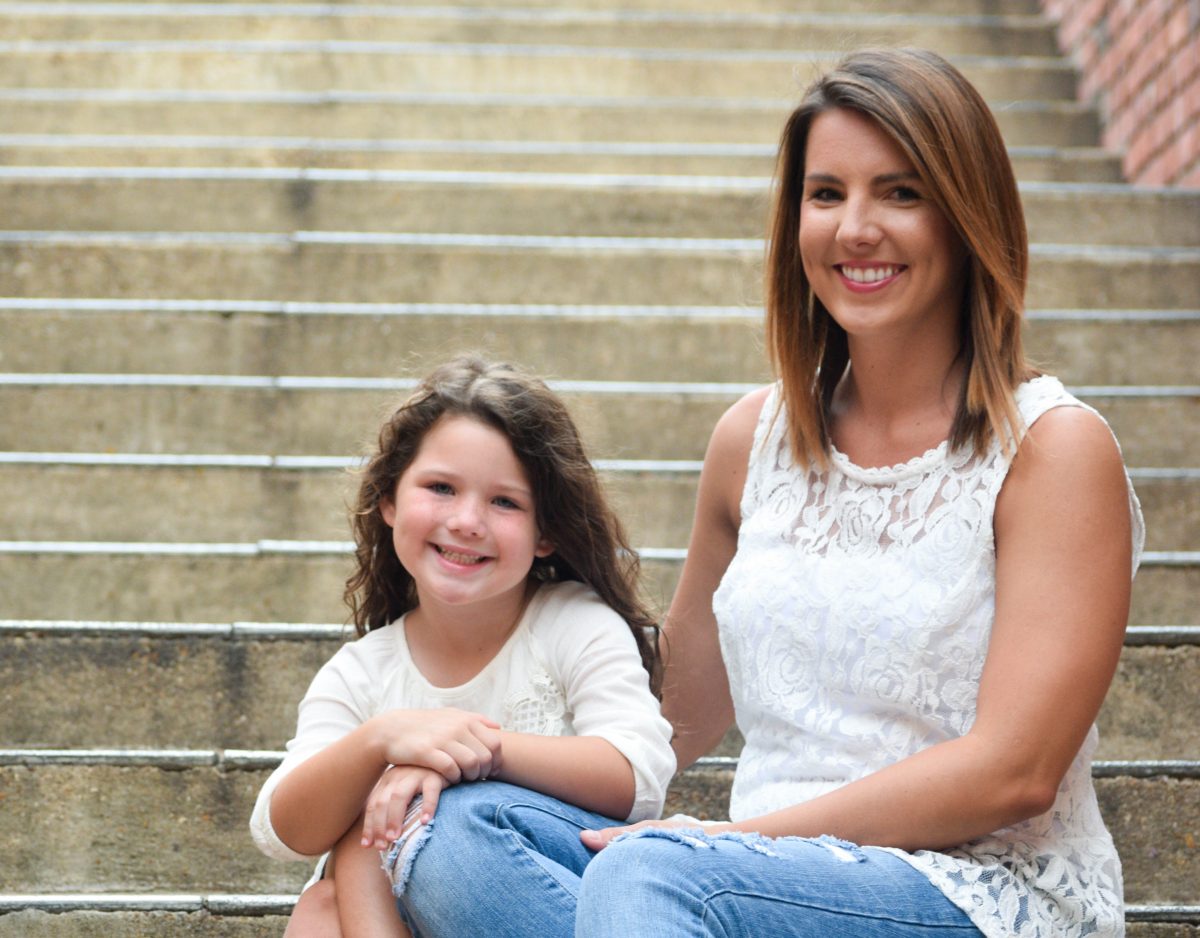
315 914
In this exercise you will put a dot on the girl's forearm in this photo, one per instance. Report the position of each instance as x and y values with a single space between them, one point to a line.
582 770
319 799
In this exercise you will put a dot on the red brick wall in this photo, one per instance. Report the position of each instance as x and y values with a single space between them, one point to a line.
1140 63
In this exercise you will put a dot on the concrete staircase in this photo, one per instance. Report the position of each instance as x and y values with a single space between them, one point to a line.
232 233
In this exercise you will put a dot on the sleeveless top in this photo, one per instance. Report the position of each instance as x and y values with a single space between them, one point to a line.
854 621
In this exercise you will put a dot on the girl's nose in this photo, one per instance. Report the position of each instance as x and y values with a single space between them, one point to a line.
467 517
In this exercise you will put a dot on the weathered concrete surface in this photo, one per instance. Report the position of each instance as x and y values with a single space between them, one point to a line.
312 267
511 70
119 829
818 30
273 587
1055 124
108 829
33 924
174 693
1155 429
131 503
586 344
505 205
243 694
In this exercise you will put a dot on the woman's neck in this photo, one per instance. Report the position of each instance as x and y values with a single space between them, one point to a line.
896 401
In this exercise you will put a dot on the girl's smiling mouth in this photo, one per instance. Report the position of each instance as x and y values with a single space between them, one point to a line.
462 558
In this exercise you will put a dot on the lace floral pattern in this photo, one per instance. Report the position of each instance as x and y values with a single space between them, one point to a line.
854 621
539 707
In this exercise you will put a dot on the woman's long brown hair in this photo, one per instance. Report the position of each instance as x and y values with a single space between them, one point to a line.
945 128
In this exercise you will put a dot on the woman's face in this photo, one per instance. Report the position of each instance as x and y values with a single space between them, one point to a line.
879 253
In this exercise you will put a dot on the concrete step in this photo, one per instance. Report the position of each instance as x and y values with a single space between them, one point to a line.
135 497
1077 164
210 414
587 343
165 916
987 9
119 824
463 68
244 680
427 116
277 200
468 268
239 916
961 35
296 581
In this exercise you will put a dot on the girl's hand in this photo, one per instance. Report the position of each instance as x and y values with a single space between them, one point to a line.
390 799
458 745
598 840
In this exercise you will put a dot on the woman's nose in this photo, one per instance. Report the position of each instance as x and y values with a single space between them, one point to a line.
858 224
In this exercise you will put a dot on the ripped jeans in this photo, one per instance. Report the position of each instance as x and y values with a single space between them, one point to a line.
503 862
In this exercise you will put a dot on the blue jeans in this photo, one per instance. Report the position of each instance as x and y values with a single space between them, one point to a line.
504 862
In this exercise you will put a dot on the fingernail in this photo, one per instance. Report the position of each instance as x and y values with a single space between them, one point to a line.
366 841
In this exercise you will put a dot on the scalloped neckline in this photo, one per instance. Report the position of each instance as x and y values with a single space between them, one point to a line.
920 463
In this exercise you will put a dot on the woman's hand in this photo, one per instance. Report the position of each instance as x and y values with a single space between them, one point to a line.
389 802
458 745
598 840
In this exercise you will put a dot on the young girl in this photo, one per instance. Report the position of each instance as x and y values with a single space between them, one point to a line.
501 640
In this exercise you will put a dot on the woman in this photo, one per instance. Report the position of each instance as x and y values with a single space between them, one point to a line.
908 579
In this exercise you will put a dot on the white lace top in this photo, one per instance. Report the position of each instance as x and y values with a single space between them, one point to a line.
854 620
571 667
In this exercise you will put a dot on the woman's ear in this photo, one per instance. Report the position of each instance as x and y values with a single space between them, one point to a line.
387 509
543 548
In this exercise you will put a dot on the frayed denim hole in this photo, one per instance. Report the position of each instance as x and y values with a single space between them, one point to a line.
699 839
401 854
844 850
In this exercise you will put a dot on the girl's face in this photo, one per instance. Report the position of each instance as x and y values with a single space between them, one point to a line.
880 255
463 519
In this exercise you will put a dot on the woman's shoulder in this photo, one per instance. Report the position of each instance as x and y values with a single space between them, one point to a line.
736 430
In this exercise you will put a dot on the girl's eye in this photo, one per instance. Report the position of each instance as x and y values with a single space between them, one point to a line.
500 501
440 488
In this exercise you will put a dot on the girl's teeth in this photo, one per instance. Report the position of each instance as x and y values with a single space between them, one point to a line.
456 557
868 274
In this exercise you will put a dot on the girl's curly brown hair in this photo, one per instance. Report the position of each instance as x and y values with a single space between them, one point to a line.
570 508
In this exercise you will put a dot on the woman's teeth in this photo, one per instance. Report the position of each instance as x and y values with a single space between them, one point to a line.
869 274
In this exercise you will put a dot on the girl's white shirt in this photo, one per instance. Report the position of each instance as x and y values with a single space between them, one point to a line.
854 622
571 667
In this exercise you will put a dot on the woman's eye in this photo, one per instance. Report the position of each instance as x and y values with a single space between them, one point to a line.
824 194
440 488
905 194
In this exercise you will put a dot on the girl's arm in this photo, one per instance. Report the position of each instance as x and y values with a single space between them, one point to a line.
1063 563
317 801
581 770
